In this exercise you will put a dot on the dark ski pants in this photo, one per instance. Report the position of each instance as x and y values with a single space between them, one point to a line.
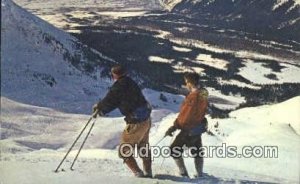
184 139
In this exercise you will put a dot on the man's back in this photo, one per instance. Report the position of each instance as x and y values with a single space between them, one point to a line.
124 94
131 96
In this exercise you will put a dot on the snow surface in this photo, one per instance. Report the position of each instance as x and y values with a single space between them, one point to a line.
40 122
46 135
179 68
159 59
170 4
163 34
31 64
225 102
244 54
182 49
28 63
213 62
119 14
256 73
237 83
279 3
273 114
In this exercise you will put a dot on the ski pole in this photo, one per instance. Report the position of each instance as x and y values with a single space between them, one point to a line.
87 135
56 170
160 140
165 157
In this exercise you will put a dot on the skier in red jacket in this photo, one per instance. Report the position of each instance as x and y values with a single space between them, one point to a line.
192 123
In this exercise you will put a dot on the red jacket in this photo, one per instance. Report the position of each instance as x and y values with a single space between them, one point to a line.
192 110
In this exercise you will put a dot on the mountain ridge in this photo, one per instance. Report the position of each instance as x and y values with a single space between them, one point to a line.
281 18
37 57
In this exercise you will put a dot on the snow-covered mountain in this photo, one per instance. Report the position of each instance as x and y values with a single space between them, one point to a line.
49 81
237 67
43 65
281 17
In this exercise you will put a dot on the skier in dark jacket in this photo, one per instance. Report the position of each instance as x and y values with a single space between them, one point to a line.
126 95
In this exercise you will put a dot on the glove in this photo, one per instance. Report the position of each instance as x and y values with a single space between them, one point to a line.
170 131
95 108
97 111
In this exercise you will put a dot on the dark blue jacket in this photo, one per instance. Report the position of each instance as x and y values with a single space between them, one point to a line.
126 95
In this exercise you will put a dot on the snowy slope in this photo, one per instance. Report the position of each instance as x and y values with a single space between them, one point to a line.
170 4
279 3
283 114
272 125
45 99
32 139
45 66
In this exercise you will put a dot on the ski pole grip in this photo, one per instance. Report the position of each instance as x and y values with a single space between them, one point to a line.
95 113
